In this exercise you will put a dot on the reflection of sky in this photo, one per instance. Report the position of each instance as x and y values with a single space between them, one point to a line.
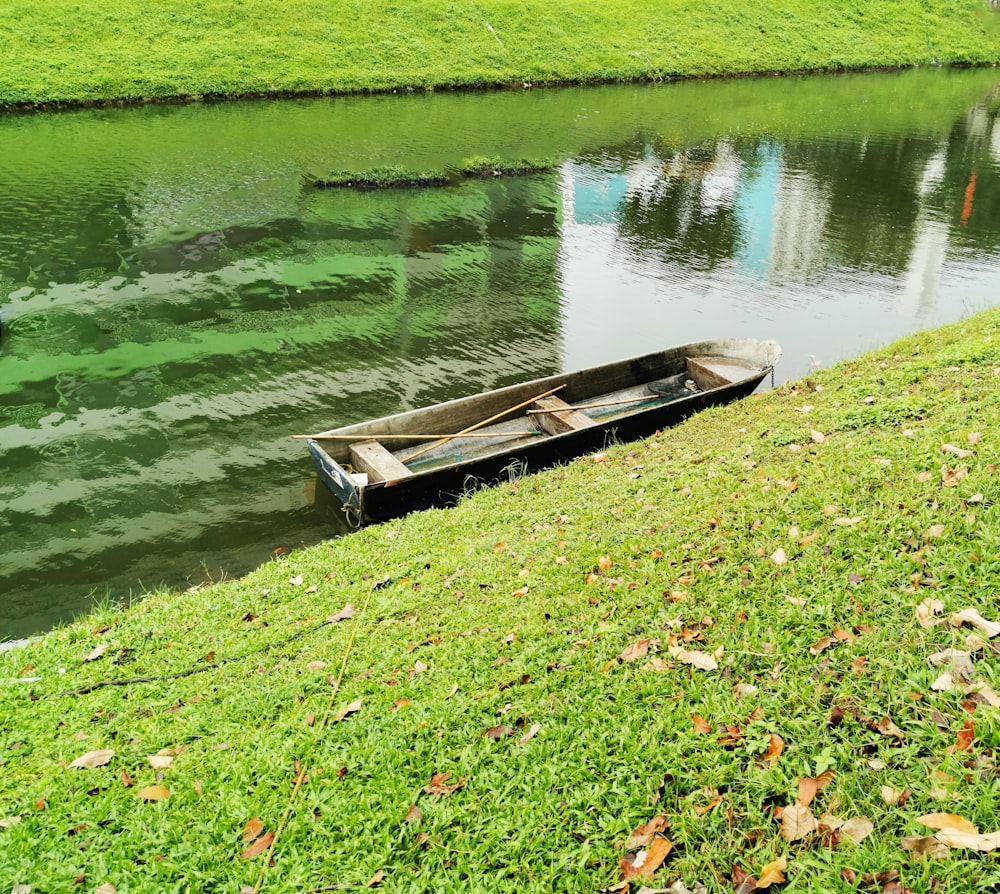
754 207
596 199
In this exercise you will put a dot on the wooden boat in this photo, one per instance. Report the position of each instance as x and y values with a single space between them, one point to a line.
430 457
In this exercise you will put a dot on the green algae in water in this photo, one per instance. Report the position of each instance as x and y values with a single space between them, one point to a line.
392 177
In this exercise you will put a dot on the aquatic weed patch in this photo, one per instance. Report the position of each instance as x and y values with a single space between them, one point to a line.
394 177
717 647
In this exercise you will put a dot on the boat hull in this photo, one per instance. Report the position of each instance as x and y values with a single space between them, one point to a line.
446 483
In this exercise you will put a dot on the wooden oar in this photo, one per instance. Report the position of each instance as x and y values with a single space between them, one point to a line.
607 403
387 436
472 428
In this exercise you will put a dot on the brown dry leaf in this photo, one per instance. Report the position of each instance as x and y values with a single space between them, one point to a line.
935 531
887 728
418 668
817 437
960 452
646 862
701 725
858 664
927 610
296 581
376 879
97 652
821 645
846 522
352 708
797 822
892 796
153 793
533 731
160 761
315 665
656 664
857 828
958 661
346 612
604 563
950 821
773 873
258 847
643 835
93 759
965 736
972 617
9 821
500 547
439 784
498 732
924 846
775 746
924 476
779 557
127 780
106 888
809 786
952 477
253 829
520 591
983 843
700 660
413 815
636 650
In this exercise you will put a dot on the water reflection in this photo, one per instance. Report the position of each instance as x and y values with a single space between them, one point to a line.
179 300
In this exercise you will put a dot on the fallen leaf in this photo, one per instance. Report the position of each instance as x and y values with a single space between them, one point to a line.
646 862
745 690
797 821
847 522
160 761
960 452
927 610
636 650
315 665
950 821
934 531
972 617
9 821
498 732
296 581
93 759
258 847
817 437
376 879
924 846
893 796
821 645
857 828
952 477
604 563
984 843
97 652
809 786
773 873
439 784
775 746
779 557
889 729
965 736
643 835
520 591
253 829
701 725
413 815
533 731
959 662
700 660
153 793
106 888
352 708
346 612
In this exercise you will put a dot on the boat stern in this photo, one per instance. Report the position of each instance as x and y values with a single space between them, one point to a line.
347 487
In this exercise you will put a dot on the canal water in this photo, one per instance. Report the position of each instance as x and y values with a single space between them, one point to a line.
178 298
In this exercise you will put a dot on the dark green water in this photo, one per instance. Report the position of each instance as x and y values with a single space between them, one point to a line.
178 300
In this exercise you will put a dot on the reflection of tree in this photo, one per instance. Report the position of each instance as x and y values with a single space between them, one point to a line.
682 214
968 194
872 192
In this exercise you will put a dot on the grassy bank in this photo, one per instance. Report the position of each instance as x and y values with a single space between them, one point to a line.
721 635
89 51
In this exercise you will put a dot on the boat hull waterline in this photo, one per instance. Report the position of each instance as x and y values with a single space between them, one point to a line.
388 467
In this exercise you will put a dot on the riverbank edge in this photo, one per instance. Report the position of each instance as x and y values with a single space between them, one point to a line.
760 567
86 56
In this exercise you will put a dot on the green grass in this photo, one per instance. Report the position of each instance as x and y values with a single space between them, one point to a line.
87 51
515 609
395 176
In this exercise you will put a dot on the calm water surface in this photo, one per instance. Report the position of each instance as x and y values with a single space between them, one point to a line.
178 299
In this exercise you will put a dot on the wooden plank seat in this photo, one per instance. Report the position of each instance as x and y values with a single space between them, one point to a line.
379 464
559 416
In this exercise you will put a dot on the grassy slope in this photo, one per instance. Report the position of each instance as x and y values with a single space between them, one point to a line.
515 609
85 50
